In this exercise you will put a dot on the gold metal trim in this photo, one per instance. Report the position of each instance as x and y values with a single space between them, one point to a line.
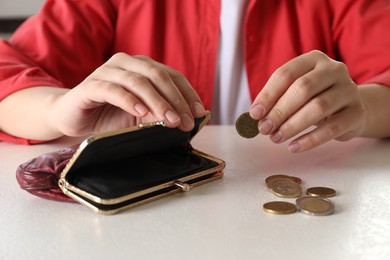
180 184
79 199
64 185
204 122
95 137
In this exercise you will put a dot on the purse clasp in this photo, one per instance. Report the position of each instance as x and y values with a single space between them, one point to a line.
182 186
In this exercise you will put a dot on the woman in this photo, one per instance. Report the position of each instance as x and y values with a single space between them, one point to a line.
82 67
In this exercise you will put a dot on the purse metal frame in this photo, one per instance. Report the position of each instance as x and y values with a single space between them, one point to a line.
156 192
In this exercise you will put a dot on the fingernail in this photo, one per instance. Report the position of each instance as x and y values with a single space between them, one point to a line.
187 121
141 109
266 126
172 117
198 107
294 147
277 138
257 112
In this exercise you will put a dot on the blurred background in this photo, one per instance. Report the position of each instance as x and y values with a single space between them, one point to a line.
14 12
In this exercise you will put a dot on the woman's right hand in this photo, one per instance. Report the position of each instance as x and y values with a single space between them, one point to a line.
125 91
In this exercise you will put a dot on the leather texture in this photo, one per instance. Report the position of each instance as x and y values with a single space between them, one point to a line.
40 175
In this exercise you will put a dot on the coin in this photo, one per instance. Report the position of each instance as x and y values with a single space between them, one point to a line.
295 179
246 126
286 188
271 178
270 182
315 206
279 207
321 192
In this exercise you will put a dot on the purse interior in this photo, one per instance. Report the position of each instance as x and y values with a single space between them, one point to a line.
117 165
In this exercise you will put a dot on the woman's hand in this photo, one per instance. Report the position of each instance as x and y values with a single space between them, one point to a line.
125 91
310 90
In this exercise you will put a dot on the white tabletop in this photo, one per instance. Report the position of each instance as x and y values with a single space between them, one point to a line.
220 220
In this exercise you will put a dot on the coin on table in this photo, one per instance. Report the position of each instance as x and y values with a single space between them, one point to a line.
279 207
321 192
271 178
286 188
246 126
315 206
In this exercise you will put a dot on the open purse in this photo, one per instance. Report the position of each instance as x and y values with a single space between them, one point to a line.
119 170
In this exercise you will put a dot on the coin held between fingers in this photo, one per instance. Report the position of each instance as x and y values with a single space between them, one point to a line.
246 126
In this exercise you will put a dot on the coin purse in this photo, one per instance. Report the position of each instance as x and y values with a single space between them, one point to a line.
116 171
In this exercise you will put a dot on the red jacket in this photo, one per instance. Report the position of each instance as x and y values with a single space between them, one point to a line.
68 40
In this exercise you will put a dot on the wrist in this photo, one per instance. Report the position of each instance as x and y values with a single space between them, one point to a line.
375 99
53 118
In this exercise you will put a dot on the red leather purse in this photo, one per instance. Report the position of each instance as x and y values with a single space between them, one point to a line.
40 175
119 170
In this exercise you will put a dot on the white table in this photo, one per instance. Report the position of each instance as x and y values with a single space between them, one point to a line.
221 220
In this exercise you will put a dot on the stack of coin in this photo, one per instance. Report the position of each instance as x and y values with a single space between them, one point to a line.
285 186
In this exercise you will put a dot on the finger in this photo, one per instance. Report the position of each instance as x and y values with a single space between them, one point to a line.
98 93
163 84
281 80
140 87
296 96
337 125
318 109
192 98
185 88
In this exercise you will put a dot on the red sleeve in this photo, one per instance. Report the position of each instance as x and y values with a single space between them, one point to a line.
65 42
361 32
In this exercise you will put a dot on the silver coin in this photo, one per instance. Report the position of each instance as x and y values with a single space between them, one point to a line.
286 188
315 206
